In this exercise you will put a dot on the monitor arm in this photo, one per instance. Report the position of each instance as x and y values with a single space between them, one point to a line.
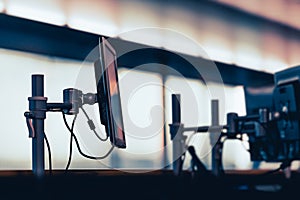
178 138
73 99
231 130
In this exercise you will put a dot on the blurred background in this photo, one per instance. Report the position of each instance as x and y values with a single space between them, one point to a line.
53 37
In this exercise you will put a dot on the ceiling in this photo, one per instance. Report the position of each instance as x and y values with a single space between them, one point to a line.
283 11
189 27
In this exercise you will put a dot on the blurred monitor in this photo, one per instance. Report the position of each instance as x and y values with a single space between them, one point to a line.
287 101
279 140
108 93
258 97
286 76
261 140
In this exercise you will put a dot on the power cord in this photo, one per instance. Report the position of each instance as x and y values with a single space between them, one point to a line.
283 165
78 146
49 153
71 144
92 126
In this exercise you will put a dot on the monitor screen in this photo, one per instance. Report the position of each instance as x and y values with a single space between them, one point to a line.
258 97
287 75
108 94
279 139
287 101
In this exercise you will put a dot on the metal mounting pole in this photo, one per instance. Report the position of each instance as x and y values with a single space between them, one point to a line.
214 139
177 135
35 117
38 106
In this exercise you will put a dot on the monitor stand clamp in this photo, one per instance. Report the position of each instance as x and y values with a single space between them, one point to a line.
35 117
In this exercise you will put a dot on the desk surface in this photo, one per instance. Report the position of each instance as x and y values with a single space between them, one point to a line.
80 184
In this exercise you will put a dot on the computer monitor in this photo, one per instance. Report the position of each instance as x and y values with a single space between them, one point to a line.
258 97
108 93
261 140
279 139
287 101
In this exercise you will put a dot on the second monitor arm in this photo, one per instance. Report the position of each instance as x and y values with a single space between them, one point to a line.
179 139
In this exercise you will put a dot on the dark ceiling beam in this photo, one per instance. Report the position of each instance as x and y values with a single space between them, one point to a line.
36 37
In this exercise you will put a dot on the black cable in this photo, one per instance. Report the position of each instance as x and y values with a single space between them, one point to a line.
78 146
196 162
70 153
272 171
49 153
92 126
283 165
71 144
242 143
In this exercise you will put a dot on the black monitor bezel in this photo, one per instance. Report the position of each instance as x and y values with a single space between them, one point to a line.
103 94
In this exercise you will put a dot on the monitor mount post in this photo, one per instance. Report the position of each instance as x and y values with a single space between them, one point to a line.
217 146
177 130
73 99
